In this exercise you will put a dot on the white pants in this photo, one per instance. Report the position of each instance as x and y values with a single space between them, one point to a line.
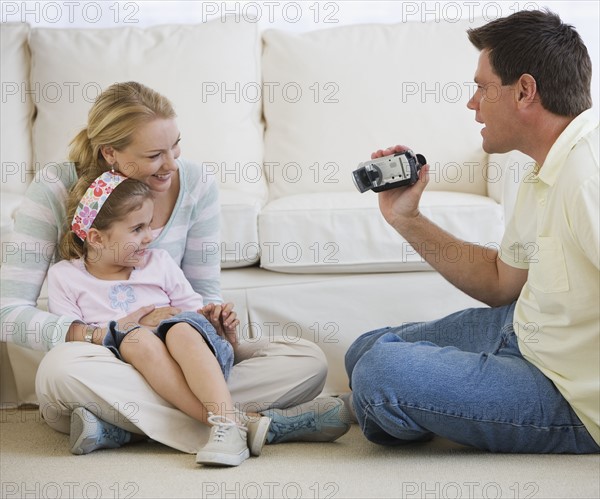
272 372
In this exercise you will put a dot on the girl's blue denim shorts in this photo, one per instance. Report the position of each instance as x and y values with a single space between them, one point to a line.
220 347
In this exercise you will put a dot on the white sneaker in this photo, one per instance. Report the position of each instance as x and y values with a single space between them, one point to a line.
227 443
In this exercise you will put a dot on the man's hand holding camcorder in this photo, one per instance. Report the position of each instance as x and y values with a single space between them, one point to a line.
400 206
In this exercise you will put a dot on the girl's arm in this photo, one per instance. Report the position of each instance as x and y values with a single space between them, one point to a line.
64 298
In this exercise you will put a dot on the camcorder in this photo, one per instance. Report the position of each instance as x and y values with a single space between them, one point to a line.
388 172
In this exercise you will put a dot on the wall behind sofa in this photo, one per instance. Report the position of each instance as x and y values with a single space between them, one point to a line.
298 15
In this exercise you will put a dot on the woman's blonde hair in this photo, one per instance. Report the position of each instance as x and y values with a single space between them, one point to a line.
128 196
113 119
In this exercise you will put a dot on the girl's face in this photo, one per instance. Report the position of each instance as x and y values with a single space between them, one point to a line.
125 242
151 155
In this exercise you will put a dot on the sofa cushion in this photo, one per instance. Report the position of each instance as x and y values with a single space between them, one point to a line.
196 66
239 229
333 310
15 120
345 232
333 96
220 124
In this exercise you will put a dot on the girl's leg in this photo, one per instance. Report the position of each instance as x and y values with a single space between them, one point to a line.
186 373
151 357
230 437
202 373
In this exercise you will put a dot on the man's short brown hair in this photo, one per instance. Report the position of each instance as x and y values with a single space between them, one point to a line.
538 43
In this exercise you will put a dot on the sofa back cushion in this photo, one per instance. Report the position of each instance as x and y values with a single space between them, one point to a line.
195 66
331 97
15 120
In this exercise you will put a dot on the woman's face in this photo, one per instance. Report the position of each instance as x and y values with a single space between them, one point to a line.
151 155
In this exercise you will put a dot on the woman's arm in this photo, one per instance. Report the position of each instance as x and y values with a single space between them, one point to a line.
26 258
62 301
179 290
192 236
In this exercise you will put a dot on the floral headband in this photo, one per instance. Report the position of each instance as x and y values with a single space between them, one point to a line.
92 201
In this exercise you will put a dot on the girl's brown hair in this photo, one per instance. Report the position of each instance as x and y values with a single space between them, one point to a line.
128 196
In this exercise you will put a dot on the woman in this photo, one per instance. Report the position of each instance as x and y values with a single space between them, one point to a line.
132 129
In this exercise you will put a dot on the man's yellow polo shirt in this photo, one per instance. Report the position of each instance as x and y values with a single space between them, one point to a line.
554 232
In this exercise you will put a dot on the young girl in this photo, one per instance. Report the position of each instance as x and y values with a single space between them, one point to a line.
108 270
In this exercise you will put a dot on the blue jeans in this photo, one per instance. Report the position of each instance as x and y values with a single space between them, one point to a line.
463 378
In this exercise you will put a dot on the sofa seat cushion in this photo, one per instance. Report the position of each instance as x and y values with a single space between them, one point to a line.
345 231
239 229
332 310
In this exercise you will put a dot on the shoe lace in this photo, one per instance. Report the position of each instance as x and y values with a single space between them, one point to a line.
292 424
110 432
223 425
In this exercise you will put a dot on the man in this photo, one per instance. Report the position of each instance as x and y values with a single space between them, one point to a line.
524 374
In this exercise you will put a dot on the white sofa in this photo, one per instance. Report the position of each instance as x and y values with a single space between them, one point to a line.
281 120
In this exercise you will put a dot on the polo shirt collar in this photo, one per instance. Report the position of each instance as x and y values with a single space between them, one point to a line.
578 128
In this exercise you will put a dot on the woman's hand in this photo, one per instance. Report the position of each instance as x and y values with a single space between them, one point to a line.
78 330
223 319
156 315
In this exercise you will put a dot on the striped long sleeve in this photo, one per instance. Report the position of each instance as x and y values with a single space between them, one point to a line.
190 233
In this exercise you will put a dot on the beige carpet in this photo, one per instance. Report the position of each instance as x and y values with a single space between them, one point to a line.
35 462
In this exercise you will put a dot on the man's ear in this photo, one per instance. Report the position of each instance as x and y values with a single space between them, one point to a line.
526 90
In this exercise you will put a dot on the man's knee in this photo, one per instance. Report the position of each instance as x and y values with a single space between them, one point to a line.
370 375
389 370
359 347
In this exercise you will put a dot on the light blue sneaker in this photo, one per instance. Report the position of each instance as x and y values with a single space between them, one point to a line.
90 433
348 404
320 420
